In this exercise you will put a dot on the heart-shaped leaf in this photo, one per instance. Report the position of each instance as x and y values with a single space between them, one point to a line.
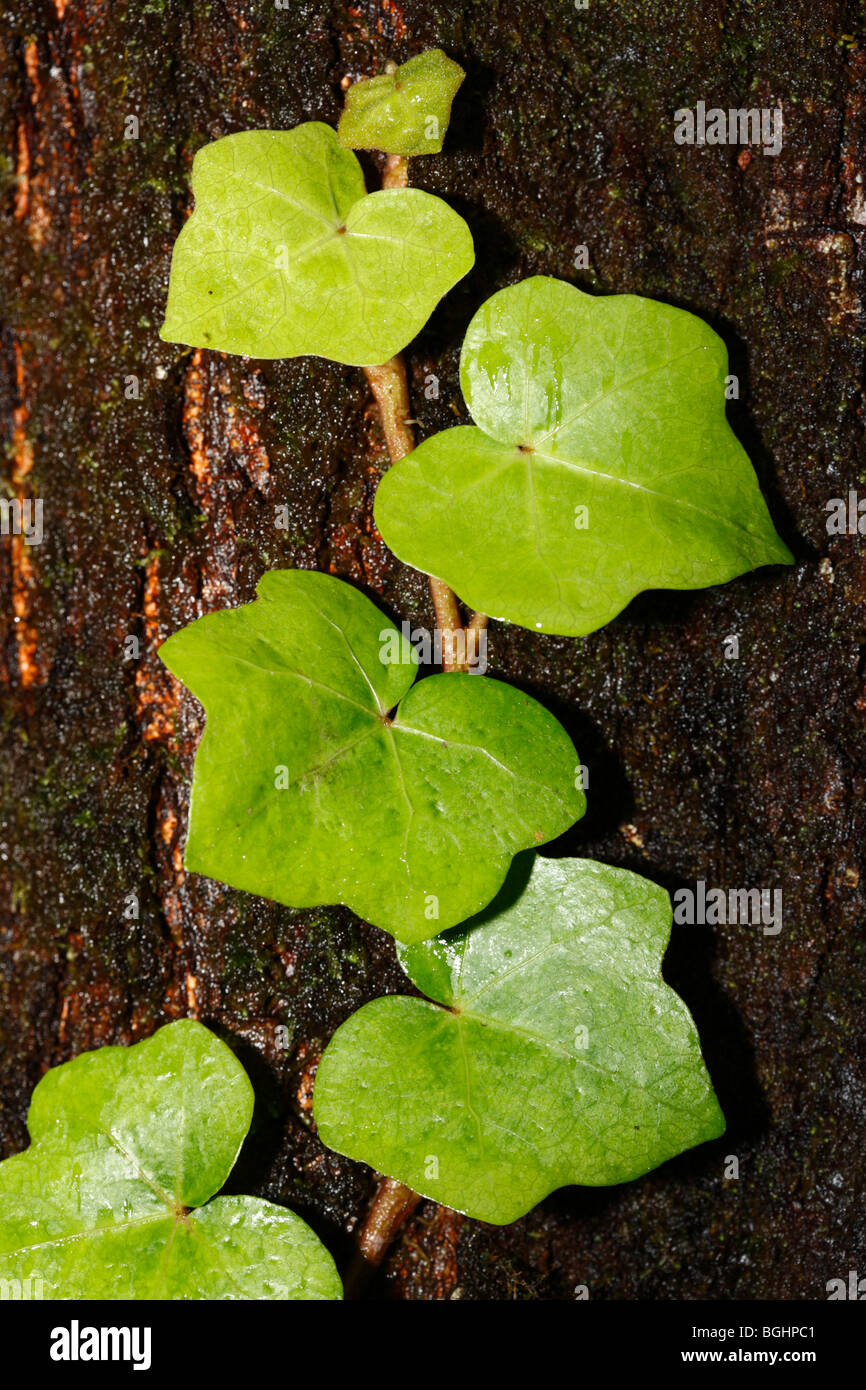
405 111
286 254
602 463
308 789
554 1052
127 1146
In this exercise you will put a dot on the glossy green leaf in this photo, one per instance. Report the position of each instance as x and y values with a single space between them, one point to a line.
554 1053
405 111
602 463
112 1198
310 789
286 254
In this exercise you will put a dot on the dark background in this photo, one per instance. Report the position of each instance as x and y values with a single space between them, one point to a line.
744 773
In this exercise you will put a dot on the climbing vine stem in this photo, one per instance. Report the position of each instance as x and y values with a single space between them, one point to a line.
394 1202
389 386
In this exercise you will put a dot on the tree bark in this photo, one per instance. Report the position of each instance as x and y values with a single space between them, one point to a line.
161 474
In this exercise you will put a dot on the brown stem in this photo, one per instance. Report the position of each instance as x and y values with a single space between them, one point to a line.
392 1204
388 384
394 1201
454 646
396 172
391 393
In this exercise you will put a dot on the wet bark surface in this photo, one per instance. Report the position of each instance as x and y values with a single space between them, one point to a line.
161 472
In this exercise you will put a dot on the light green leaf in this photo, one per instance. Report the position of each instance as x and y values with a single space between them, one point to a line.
602 464
127 1145
405 111
286 254
309 789
554 1052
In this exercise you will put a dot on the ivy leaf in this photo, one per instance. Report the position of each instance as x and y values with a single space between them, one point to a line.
405 111
554 1053
286 254
602 463
309 790
111 1200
